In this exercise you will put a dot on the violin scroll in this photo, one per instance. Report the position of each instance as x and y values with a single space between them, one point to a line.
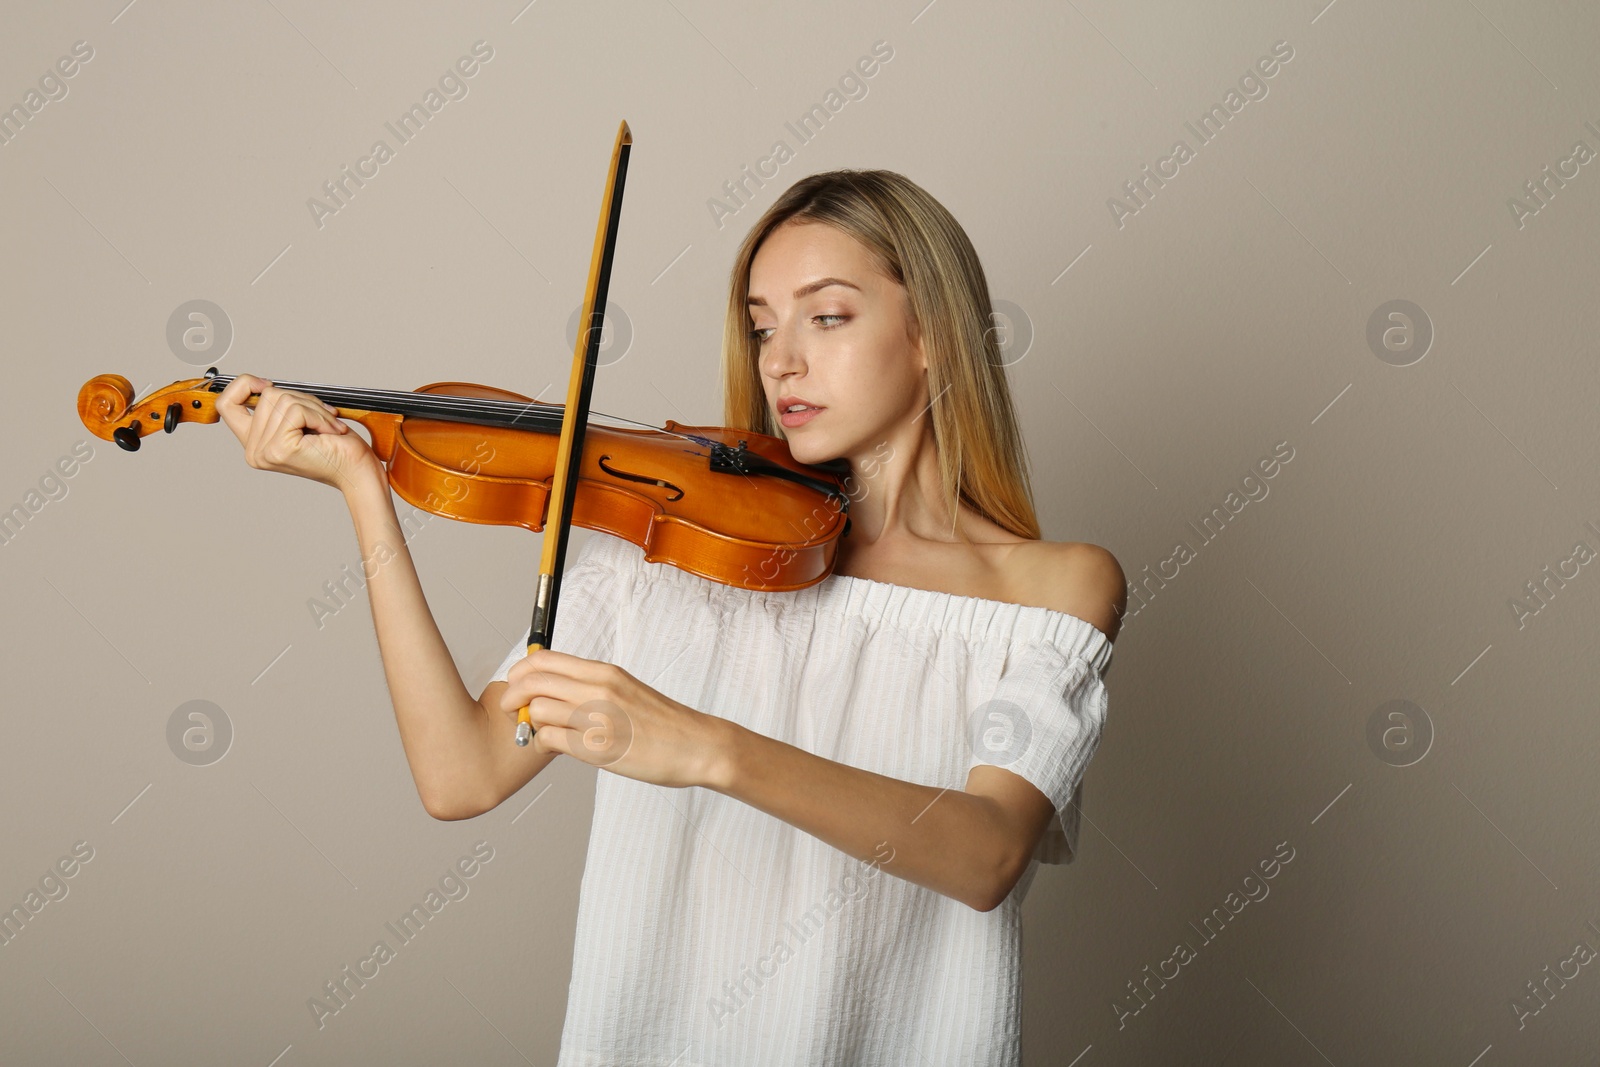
106 407
103 402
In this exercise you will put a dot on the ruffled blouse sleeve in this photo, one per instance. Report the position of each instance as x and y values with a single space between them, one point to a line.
1043 723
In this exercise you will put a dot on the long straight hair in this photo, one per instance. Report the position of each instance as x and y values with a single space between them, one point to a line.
917 242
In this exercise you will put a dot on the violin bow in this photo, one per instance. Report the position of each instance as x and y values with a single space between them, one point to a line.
569 448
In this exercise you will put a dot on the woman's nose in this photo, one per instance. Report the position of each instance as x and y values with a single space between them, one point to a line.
779 355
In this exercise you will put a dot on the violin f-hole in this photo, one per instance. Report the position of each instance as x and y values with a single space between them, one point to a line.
676 492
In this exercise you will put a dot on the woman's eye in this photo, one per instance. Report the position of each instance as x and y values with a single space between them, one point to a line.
827 322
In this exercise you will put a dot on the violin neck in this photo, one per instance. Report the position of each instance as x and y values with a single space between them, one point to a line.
480 411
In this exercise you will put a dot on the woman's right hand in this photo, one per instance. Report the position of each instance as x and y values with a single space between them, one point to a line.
295 433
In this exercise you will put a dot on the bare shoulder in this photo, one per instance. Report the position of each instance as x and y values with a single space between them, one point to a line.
1074 577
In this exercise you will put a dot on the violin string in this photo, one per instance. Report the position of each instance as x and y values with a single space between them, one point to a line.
438 401
454 404
411 399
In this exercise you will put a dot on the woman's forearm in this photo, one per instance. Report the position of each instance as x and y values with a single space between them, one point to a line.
441 723
946 840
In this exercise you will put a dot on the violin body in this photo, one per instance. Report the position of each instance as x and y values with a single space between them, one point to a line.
661 489
633 484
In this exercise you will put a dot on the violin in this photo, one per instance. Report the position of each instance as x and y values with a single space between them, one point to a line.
736 508
731 506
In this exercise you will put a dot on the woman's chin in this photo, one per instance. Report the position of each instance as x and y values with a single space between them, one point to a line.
809 452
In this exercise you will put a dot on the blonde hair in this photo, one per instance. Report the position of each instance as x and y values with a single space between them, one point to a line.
917 242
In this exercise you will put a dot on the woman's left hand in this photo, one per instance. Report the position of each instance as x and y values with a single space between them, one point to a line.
599 713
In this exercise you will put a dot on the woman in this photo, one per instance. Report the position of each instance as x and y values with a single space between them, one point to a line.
880 757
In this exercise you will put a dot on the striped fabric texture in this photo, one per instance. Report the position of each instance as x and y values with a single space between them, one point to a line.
711 933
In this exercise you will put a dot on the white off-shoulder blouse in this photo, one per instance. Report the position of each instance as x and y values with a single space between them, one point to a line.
710 932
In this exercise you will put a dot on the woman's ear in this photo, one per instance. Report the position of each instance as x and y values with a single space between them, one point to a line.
914 332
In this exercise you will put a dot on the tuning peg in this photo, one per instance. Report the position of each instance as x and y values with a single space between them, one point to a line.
170 423
127 437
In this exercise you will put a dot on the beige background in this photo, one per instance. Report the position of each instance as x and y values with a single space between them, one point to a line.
1227 315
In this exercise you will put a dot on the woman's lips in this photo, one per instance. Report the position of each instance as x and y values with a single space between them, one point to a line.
791 419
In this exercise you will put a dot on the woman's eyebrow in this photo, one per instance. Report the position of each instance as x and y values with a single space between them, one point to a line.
807 289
